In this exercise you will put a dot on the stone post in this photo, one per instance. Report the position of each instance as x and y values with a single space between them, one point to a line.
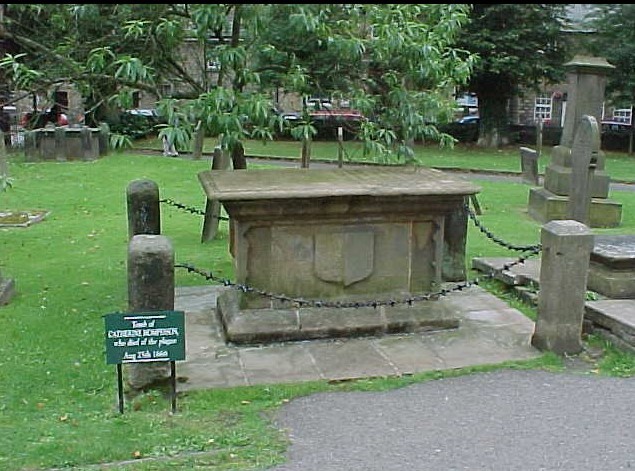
31 148
89 151
60 144
238 157
144 214
566 250
104 139
199 140
150 288
220 161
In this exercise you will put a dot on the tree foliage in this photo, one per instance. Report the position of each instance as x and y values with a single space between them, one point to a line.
520 46
615 25
397 63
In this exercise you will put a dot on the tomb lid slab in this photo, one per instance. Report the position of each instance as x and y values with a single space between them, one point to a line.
293 183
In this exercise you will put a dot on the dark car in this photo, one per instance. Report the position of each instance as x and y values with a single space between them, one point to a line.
464 129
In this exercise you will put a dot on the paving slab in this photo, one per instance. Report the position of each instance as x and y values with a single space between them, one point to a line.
488 331
613 318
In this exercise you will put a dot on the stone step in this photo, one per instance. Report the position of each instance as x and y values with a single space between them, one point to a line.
612 318
265 326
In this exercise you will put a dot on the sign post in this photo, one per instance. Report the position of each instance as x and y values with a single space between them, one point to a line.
145 337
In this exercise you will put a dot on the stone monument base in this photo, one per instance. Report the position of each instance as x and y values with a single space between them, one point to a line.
545 206
612 266
270 325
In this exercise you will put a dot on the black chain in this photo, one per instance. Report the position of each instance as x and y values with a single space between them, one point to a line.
299 302
520 248
189 209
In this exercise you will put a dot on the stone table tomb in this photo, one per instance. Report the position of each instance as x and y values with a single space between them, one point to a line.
336 235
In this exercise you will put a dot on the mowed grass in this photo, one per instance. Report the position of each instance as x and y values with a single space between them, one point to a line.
59 397
618 165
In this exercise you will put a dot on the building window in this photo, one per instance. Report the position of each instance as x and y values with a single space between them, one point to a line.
136 98
213 65
542 109
623 116
166 89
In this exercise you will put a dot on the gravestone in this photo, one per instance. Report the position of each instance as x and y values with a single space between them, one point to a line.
64 143
612 266
584 156
586 82
529 165
7 290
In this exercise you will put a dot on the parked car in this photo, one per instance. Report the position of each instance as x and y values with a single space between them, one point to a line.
616 135
327 121
465 129
615 126
40 119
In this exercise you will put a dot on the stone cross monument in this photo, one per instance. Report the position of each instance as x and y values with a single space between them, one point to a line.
586 81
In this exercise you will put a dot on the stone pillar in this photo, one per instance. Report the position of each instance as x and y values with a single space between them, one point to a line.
566 249
220 161
31 147
60 144
89 150
144 214
104 139
454 239
586 82
150 288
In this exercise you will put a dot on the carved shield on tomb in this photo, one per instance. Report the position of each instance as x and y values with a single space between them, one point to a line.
344 257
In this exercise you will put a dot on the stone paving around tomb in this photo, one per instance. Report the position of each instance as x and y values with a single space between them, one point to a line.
489 332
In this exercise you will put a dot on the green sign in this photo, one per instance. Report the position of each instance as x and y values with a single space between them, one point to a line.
145 337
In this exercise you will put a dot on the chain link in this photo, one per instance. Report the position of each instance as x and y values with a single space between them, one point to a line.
189 209
520 248
300 302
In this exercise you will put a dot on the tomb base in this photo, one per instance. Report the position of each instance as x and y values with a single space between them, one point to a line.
545 206
271 325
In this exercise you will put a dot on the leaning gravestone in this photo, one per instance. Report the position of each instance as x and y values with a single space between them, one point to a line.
584 157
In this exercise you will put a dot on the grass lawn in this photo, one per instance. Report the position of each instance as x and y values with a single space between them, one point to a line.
619 166
59 397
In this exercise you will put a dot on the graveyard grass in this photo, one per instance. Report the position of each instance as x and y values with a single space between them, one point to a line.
59 397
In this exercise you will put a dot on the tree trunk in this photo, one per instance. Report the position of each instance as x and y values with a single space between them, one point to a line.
493 96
